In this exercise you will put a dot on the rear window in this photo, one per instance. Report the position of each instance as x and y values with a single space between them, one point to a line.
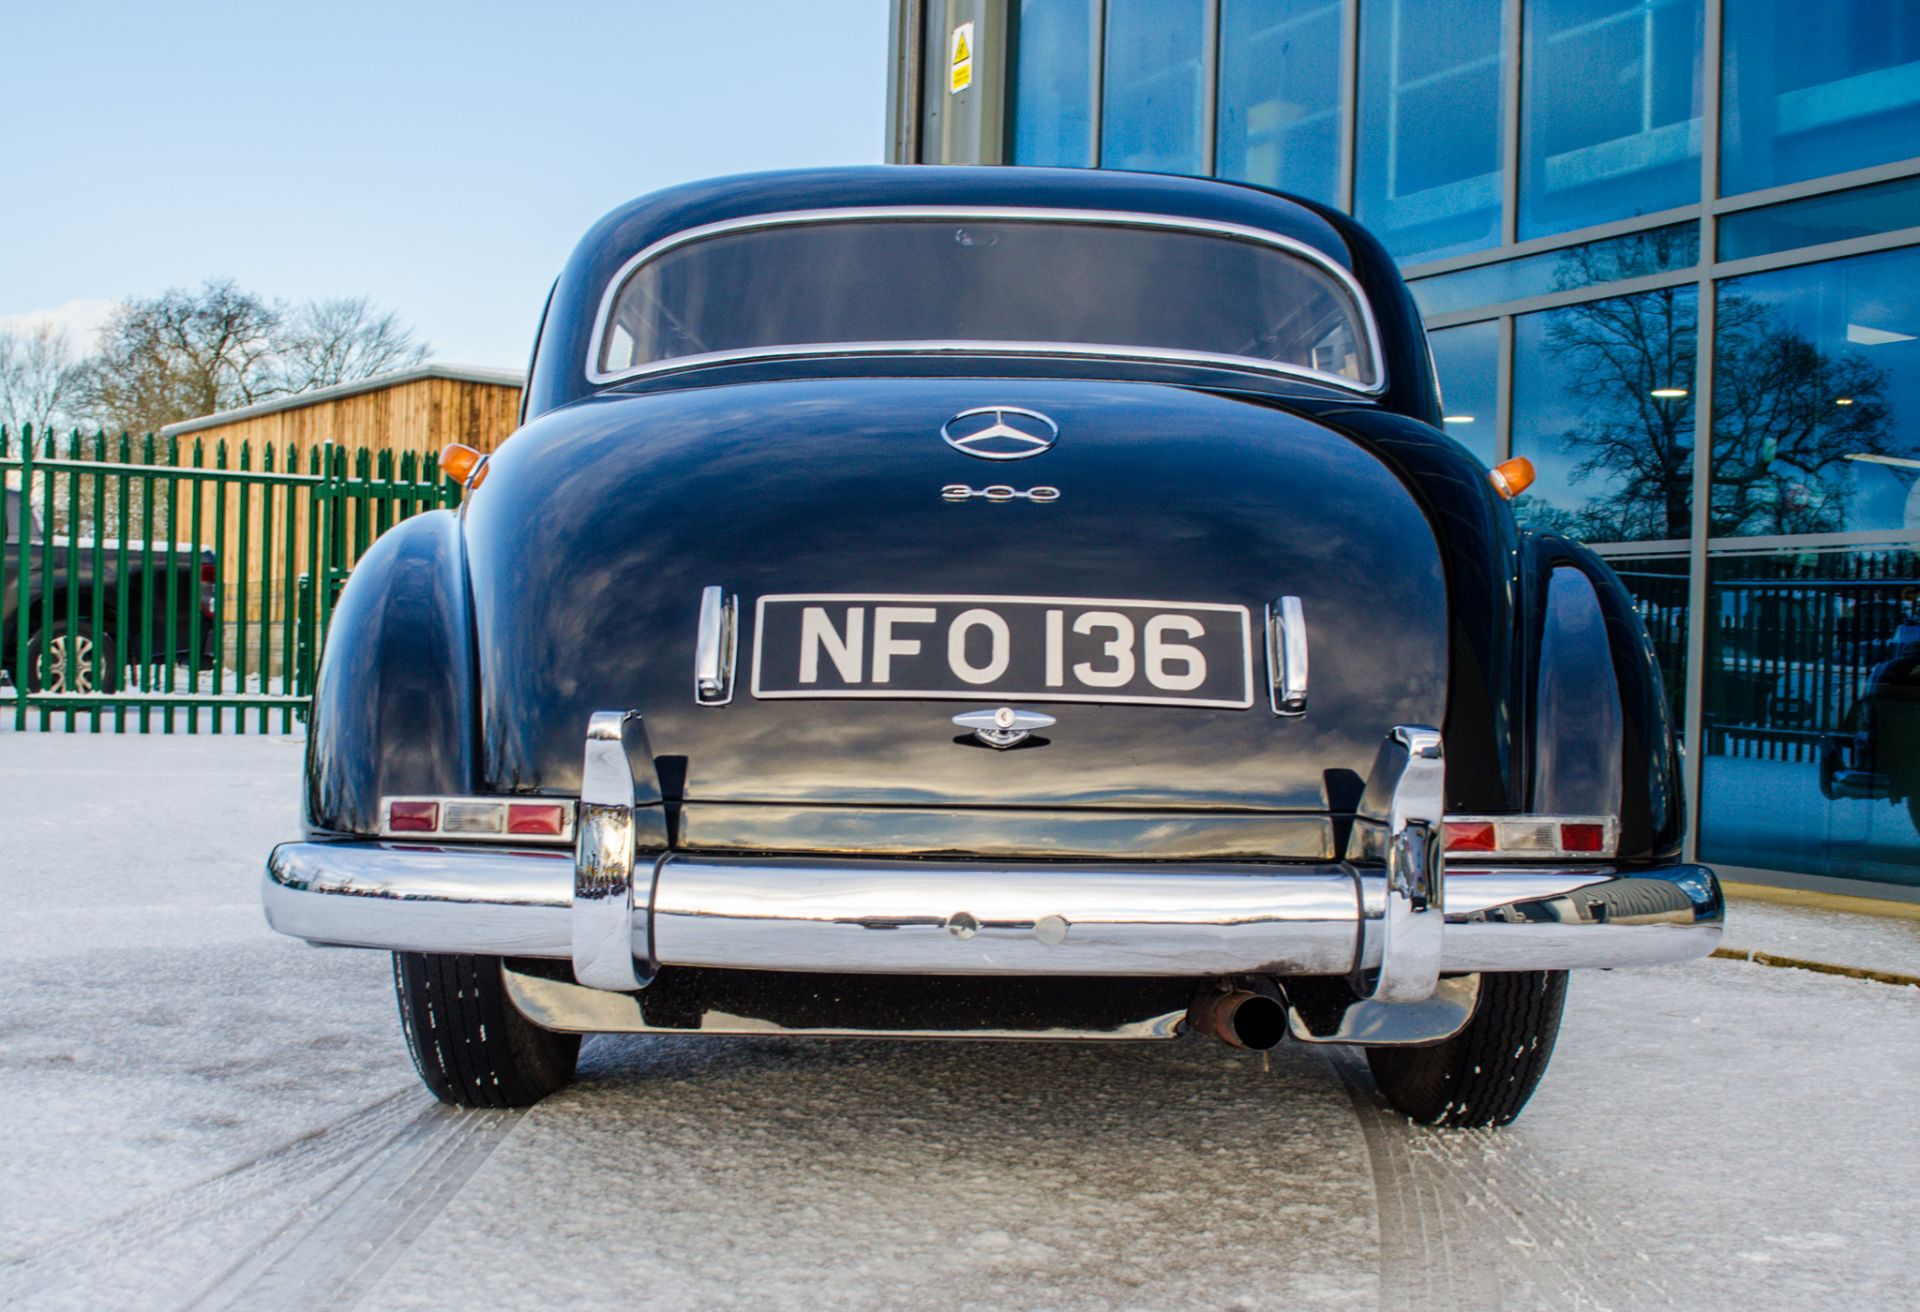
1059 286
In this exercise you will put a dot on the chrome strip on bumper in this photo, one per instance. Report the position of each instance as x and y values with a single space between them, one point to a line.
951 918
1406 797
625 904
610 942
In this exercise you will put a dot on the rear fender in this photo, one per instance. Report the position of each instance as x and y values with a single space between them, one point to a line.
393 708
1601 736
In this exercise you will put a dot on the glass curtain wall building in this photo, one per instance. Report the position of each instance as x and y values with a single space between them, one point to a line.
1667 249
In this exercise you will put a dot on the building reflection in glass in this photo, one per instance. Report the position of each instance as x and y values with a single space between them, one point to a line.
1813 89
1280 95
1607 414
1467 360
1611 124
1812 714
1053 83
1817 398
1153 116
1658 585
1429 142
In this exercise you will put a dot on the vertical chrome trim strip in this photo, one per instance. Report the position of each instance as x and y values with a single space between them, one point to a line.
1691 712
1407 793
1210 90
1287 656
606 918
1512 107
716 646
1349 105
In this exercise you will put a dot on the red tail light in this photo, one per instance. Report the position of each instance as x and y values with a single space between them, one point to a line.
1471 836
548 818
209 579
1531 837
478 819
1583 837
413 817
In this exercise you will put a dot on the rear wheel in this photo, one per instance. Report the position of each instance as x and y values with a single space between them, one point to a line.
469 1042
60 658
1484 1074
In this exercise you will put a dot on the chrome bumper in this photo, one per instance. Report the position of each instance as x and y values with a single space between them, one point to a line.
950 918
618 907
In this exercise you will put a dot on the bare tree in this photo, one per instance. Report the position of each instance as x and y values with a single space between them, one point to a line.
183 354
1616 355
40 382
1786 417
343 340
1786 413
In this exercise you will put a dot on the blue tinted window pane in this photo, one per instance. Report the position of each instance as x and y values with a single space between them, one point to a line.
1430 154
1812 722
1612 120
1816 401
1817 88
1154 101
1468 362
1657 251
1658 586
1280 95
1856 213
1053 83
1603 406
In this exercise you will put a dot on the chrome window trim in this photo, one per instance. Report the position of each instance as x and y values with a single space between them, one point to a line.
1375 385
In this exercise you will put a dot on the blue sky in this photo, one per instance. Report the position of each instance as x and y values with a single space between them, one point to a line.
440 158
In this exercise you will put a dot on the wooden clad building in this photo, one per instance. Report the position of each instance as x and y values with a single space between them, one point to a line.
417 410
263 529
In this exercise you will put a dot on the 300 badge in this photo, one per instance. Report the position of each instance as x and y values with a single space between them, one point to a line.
993 648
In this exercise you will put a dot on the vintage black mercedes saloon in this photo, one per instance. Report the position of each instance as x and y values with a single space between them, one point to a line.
996 604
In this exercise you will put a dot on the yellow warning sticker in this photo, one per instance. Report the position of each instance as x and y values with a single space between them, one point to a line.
960 66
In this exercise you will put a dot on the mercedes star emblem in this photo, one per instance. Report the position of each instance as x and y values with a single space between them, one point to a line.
1000 432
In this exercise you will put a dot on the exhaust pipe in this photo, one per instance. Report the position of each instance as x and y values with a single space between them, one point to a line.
1240 1017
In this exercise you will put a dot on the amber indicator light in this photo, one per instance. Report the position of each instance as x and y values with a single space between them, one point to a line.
1512 477
458 461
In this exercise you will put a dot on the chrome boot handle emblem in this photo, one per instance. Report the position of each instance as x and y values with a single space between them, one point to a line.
1287 656
1005 727
714 647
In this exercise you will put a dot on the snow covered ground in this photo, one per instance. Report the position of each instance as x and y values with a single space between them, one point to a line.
198 1113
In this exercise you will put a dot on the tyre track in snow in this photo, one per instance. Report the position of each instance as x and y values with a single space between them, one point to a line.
1467 1223
369 1181
330 1257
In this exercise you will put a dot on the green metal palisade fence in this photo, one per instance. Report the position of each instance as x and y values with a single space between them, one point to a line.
148 584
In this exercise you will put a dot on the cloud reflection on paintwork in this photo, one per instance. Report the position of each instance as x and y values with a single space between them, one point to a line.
600 524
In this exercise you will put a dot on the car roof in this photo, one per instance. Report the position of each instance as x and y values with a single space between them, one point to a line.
557 375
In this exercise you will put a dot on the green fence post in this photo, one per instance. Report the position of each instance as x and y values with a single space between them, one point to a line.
23 579
171 660
224 568
289 519
243 532
49 497
102 657
197 486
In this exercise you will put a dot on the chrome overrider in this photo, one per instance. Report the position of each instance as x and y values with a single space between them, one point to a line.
1393 920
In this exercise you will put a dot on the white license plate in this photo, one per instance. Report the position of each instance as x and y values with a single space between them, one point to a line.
1034 649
